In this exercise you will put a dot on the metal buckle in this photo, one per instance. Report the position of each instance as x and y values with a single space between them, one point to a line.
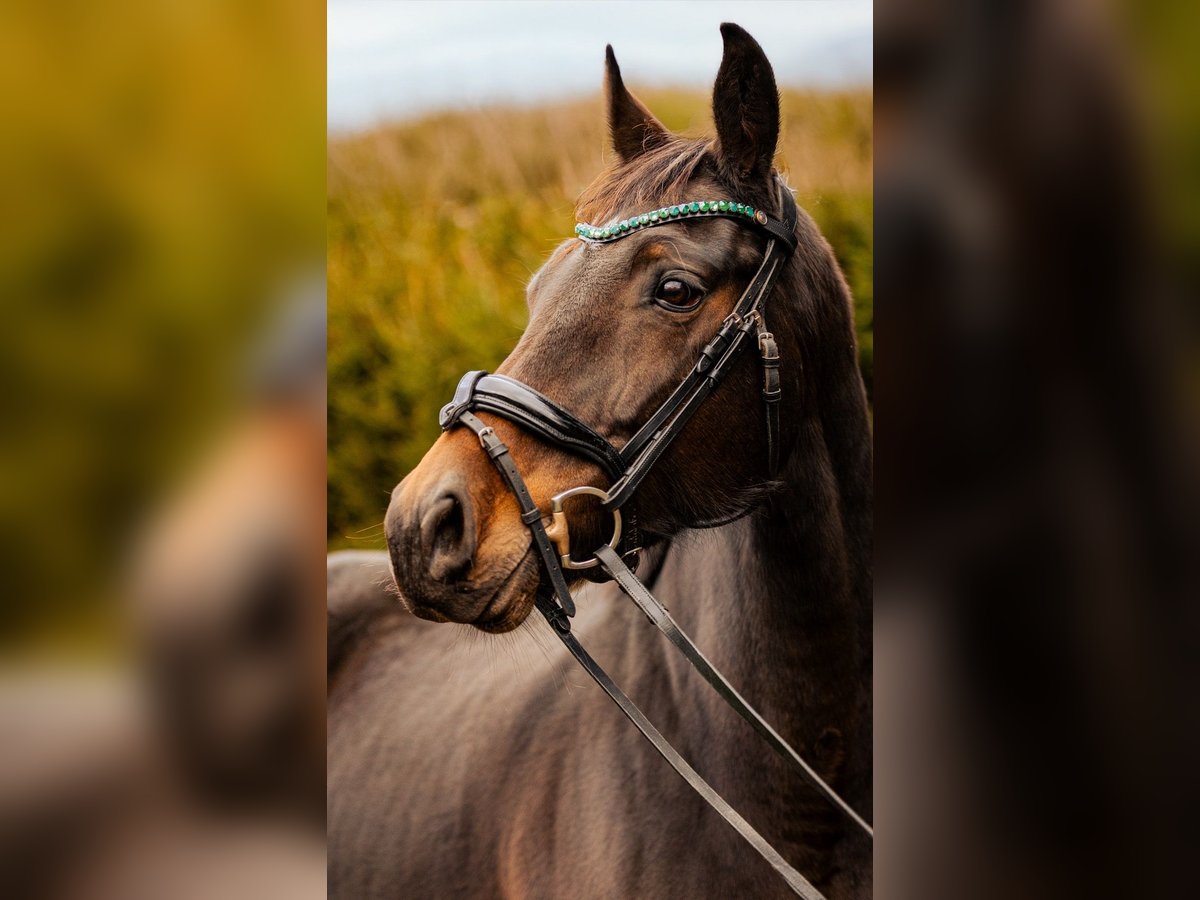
483 435
559 531
752 318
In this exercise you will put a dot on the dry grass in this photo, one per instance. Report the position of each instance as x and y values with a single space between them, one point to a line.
434 226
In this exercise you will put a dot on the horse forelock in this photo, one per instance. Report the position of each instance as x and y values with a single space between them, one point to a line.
659 175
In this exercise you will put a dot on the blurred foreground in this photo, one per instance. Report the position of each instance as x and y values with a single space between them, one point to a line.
1036 507
162 461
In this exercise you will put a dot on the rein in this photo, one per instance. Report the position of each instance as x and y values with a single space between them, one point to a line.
627 467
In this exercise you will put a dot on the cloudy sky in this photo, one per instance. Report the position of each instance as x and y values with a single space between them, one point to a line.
391 60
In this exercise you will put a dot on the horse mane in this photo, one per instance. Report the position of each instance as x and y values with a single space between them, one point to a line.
658 176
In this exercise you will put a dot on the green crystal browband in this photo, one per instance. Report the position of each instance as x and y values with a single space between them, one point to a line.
697 209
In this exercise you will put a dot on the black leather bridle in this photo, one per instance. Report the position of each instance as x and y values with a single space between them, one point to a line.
627 467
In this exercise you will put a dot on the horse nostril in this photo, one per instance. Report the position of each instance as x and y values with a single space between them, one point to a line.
448 530
448 535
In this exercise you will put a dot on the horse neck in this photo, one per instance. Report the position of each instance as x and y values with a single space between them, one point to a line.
783 600
781 603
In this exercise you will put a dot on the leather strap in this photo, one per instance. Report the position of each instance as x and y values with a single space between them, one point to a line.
535 412
777 252
497 451
682 404
461 401
800 885
784 231
646 446
520 403
772 391
713 359
658 615
557 605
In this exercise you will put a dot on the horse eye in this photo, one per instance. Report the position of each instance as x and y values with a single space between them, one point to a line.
673 293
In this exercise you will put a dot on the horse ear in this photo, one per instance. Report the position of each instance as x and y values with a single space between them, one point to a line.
633 128
745 108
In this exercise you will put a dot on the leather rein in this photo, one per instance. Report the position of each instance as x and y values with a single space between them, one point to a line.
627 467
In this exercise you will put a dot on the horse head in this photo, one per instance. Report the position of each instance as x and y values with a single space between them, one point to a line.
614 326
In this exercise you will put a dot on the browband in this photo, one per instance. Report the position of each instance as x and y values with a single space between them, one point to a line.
695 209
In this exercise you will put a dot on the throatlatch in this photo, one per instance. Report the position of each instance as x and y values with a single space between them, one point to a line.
627 467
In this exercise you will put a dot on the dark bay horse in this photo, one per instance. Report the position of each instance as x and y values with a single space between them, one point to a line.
463 766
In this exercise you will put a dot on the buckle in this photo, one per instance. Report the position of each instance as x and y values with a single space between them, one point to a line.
554 613
484 435
559 531
744 324
767 346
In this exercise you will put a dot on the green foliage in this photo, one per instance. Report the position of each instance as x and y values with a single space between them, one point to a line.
434 227
163 167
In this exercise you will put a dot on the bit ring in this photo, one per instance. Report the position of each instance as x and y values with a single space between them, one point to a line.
559 531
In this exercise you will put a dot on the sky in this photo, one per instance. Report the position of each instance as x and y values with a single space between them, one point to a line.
396 60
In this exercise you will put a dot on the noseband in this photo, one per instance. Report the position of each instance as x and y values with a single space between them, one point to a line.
628 466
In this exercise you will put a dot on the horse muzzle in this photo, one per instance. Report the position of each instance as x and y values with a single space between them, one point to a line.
450 561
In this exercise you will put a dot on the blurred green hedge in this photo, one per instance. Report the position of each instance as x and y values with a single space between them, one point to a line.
434 226
163 174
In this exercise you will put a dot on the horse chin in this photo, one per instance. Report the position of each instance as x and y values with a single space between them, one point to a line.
513 599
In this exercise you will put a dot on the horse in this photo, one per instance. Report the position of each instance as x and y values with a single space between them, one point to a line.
464 772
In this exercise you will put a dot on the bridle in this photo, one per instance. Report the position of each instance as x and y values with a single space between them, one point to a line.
628 466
